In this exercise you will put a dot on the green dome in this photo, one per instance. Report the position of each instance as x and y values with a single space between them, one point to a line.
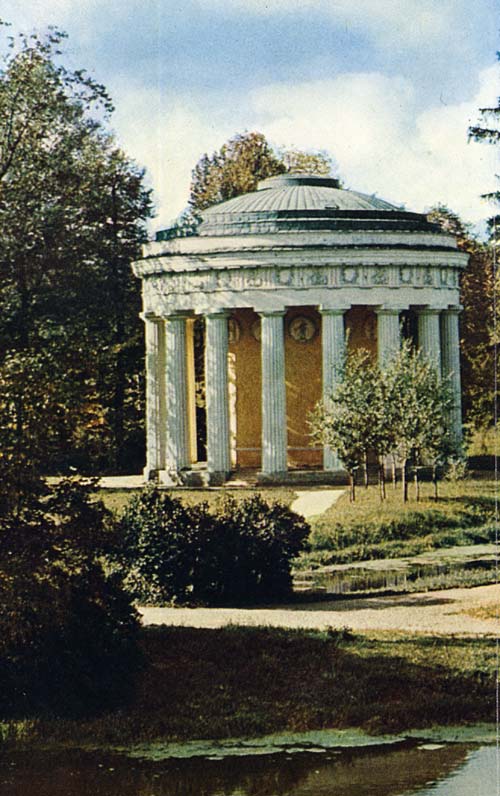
301 202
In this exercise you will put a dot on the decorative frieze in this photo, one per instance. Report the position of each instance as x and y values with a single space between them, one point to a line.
168 285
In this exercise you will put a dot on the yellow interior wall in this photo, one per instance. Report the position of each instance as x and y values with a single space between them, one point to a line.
303 388
245 356
303 377
361 329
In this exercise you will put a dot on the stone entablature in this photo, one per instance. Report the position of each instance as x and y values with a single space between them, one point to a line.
351 283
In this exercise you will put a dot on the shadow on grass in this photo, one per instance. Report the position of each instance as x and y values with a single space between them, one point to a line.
238 681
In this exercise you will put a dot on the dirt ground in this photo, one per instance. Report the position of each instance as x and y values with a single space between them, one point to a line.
439 612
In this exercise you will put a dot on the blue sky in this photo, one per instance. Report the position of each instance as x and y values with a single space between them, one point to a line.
388 87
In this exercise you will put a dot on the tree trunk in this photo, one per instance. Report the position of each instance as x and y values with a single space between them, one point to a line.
417 484
365 470
393 468
435 482
404 481
352 484
381 479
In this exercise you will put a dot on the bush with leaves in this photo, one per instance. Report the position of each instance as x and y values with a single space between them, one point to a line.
68 633
241 553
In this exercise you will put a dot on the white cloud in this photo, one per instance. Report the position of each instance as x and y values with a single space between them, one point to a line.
167 135
367 122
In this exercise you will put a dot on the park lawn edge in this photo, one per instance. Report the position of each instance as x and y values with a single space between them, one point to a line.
255 681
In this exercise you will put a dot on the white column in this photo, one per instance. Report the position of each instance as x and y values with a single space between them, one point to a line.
177 438
388 334
333 353
450 352
216 380
155 395
274 422
429 336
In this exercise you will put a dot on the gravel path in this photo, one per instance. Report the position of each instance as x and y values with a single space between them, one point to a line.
311 502
438 612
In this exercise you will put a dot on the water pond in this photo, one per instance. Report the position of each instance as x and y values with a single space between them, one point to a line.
427 570
411 766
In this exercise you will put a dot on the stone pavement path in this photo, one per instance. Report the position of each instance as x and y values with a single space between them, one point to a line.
311 502
438 613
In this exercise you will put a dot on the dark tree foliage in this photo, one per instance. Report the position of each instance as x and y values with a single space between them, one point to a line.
241 553
68 633
72 218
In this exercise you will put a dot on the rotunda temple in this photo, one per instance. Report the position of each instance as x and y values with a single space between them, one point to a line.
285 277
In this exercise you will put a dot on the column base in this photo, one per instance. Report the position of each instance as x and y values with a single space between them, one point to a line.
218 478
170 478
304 477
150 474
196 477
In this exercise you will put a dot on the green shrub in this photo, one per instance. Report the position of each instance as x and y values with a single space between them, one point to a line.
238 553
68 633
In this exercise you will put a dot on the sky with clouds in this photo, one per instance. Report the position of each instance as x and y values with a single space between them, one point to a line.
387 87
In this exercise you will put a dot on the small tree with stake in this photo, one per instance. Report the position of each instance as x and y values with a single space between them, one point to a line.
348 421
403 409
420 406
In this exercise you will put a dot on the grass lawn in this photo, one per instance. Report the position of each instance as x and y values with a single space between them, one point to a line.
237 681
117 499
464 514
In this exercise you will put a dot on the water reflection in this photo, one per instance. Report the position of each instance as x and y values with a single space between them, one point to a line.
409 768
357 579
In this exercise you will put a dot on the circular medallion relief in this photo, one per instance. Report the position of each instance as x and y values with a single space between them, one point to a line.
302 329
233 330
255 329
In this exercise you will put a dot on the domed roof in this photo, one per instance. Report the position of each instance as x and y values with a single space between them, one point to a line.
299 202
299 192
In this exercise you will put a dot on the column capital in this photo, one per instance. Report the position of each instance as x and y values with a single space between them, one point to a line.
453 309
178 315
218 312
338 310
271 313
150 316
383 310
427 310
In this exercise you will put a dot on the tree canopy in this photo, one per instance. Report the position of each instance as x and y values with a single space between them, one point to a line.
402 409
241 163
72 218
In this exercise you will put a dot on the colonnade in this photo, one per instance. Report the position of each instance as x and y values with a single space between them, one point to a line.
167 400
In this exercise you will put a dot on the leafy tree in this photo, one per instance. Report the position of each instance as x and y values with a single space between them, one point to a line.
349 421
235 169
298 162
72 213
402 409
420 404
